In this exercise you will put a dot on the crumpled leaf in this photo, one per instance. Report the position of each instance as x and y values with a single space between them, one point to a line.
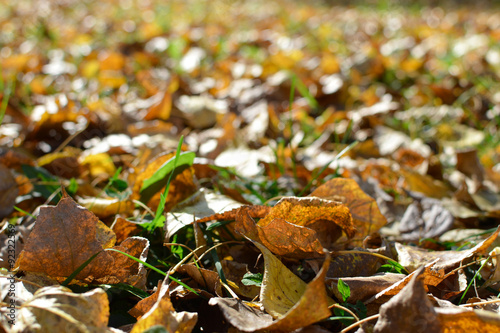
163 313
364 209
8 191
310 224
409 311
309 211
66 235
57 309
300 242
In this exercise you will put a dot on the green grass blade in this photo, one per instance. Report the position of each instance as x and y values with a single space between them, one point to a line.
25 212
154 269
185 158
78 270
472 280
170 166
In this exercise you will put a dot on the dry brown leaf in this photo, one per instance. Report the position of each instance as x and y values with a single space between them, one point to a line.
299 242
409 311
311 212
310 224
364 210
63 164
287 298
124 269
468 163
354 264
124 229
63 238
425 218
429 276
412 257
66 235
207 279
364 287
241 315
57 309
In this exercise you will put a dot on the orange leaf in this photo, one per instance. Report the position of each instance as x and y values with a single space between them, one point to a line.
365 212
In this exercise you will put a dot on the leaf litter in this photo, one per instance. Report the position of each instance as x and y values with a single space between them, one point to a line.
338 167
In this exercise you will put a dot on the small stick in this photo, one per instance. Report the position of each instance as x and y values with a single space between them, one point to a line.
359 323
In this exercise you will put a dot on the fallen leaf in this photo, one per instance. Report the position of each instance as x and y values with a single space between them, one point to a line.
364 287
425 218
145 304
364 210
67 235
300 242
124 229
57 309
424 184
205 278
163 313
162 109
323 216
63 238
411 257
105 207
242 316
461 320
409 311
289 299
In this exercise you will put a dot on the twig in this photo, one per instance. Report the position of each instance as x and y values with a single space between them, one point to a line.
480 303
215 246
359 323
